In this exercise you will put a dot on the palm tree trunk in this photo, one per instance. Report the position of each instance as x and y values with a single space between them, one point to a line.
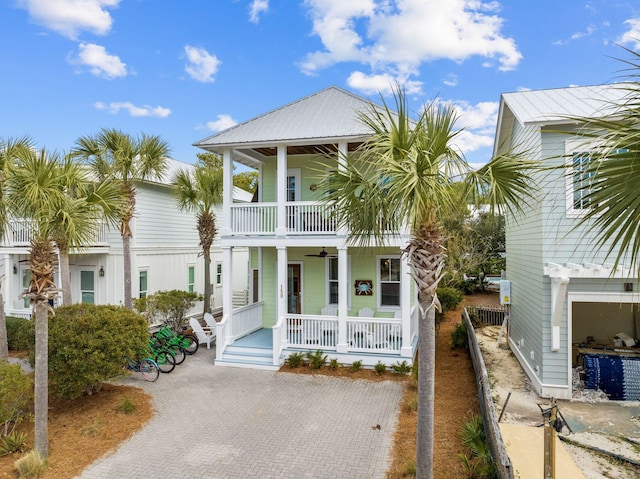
426 389
4 343
41 395
65 277
126 257
207 279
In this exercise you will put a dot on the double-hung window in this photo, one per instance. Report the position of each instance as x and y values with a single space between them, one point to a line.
218 274
579 179
191 273
389 281
143 277
332 265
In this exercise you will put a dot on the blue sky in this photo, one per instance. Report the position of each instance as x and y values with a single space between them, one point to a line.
186 69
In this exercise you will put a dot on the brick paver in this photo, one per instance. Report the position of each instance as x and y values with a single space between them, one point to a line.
227 423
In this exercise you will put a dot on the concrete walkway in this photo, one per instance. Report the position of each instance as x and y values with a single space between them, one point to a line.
220 422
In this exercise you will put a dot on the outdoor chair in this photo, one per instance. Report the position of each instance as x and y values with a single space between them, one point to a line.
202 335
211 323
365 313
330 310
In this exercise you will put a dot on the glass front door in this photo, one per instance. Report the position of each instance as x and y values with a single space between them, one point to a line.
294 282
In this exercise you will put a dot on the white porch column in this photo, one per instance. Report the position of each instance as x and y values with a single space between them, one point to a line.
343 298
227 286
227 192
281 283
405 304
8 281
281 181
343 149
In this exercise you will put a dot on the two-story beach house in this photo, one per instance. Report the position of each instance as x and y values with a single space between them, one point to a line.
567 300
309 288
165 255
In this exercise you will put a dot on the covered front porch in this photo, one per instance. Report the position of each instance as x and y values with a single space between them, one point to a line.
244 342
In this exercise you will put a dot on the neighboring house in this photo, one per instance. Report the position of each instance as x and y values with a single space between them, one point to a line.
309 288
564 292
165 254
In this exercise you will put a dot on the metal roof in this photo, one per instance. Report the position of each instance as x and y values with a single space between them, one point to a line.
329 113
561 104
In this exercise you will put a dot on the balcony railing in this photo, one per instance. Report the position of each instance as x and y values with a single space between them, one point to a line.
20 233
302 217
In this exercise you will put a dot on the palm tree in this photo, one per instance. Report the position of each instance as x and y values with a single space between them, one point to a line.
37 190
403 175
90 203
199 193
8 151
127 160
613 193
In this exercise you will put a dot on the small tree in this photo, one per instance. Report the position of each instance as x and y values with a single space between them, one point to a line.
16 396
170 307
88 343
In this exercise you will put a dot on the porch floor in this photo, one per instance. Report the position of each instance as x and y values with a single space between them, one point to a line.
262 338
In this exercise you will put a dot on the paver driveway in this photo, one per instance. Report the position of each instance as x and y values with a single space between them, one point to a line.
215 422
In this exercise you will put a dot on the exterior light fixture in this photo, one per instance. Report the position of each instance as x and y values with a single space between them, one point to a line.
101 272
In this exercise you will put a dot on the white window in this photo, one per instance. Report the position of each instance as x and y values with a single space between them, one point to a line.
143 283
218 274
389 281
191 278
332 277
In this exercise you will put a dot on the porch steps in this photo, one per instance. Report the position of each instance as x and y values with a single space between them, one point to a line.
241 356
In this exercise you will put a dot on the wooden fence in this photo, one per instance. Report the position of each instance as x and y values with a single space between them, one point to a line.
487 315
491 427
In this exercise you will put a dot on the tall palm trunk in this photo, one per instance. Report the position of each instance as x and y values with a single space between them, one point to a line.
207 232
427 258
4 343
126 257
125 231
65 275
41 289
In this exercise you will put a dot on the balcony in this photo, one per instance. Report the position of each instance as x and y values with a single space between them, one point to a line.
301 217
20 233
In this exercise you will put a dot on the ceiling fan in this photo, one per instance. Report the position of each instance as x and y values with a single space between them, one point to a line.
321 254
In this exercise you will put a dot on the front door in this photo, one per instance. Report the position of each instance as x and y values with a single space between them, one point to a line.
294 287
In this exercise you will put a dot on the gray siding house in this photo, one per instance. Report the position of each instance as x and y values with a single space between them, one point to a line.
565 293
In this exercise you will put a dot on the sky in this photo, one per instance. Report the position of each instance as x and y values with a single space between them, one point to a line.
185 70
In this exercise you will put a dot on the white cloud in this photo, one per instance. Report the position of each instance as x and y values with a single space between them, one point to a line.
478 124
115 107
450 79
202 65
256 8
70 17
632 36
399 35
382 83
99 61
222 122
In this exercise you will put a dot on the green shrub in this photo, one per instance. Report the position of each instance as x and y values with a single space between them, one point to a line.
127 406
449 298
16 396
459 337
295 360
355 366
380 368
480 464
88 344
21 334
317 359
334 365
31 466
170 307
13 442
401 367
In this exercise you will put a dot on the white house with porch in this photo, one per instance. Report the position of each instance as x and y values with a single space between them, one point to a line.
165 255
309 288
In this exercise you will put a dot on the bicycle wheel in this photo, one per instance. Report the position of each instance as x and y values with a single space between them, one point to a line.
193 345
149 369
166 363
178 354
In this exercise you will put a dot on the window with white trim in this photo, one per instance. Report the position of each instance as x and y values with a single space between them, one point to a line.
332 278
218 274
191 278
143 281
389 281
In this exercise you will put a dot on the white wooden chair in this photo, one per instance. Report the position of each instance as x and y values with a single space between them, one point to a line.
202 335
330 310
211 323
365 313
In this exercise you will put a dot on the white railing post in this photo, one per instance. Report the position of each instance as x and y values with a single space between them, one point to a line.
227 192
343 294
281 181
405 302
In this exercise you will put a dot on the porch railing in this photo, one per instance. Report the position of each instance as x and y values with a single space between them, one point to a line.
20 232
306 217
247 319
254 218
311 332
279 339
374 334
223 336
